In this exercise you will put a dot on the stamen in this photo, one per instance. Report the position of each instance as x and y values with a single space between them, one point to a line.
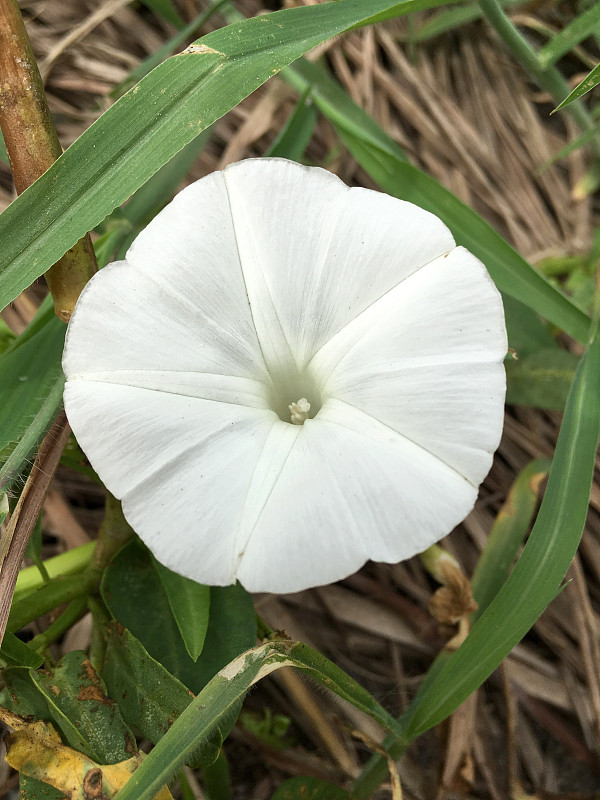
299 411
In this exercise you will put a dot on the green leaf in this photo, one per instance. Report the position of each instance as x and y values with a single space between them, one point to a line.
149 697
32 789
533 583
190 605
542 379
223 692
146 127
7 337
31 385
581 27
385 162
453 18
3 153
165 50
4 506
132 579
586 85
536 578
80 707
297 132
21 695
15 653
310 789
216 779
508 534
166 10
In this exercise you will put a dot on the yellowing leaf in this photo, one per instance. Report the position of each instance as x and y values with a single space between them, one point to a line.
35 749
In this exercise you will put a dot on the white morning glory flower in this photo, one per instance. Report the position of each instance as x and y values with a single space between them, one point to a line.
287 377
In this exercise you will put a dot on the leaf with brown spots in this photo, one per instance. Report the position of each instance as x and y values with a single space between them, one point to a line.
79 705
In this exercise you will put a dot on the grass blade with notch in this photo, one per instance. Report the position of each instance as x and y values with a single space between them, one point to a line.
147 126
195 723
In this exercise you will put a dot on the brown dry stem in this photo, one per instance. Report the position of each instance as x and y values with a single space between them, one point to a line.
32 146
27 511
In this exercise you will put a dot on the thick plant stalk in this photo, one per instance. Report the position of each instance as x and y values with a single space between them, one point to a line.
32 146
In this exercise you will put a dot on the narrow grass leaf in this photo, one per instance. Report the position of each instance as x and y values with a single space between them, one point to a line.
165 50
224 691
508 534
536 578
147 126
293 138
581 27
586 85
542 379
3 153
166 10
454 18
384 160
531 586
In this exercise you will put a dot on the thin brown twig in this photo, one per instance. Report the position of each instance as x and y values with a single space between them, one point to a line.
27 510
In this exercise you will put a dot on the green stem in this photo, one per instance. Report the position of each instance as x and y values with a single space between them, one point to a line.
114 532
549 78
59 591
69 563
100 620
70 615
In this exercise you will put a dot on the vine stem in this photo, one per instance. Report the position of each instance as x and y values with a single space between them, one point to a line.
32 146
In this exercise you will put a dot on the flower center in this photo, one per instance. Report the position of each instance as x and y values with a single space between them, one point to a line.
299 411
286 388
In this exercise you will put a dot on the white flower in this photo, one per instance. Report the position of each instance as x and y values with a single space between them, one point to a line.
287 377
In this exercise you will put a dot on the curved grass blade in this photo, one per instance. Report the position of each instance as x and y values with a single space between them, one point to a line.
385 161
147 126
581 27
531 586
195 723
536 578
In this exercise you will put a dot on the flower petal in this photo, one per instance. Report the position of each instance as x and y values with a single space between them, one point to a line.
181 466
315 253
351 489
179 298
426 360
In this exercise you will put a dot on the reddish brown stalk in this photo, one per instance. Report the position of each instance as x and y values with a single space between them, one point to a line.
27 511
33 146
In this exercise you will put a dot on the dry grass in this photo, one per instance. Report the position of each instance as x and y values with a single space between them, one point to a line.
465 112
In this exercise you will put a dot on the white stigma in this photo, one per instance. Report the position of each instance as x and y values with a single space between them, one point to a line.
299 411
